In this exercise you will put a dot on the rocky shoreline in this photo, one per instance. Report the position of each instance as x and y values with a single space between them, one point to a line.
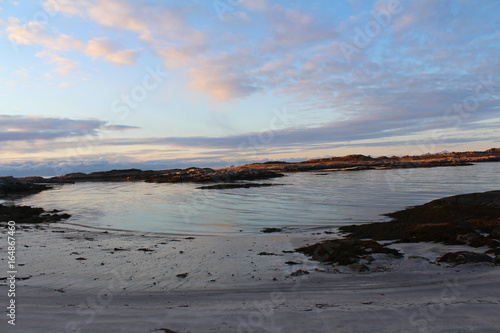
468 219
362 162
273 169
13 188
10 186
30 215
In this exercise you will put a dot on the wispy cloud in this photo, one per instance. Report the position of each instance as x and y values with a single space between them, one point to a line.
225 78
380 130
108 50
64 66
28 128
36 33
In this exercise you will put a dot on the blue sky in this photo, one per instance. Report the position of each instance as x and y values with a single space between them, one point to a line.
90 85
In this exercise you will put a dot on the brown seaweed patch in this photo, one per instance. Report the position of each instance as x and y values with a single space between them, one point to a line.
345 251
452 233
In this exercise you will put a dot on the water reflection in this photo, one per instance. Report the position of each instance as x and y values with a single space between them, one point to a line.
308 200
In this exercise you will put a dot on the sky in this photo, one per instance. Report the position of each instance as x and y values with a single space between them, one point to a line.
92 85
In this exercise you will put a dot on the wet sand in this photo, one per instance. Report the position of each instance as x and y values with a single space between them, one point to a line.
83 280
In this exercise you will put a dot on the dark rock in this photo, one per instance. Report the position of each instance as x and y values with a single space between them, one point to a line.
345 251
469 219
299 273
494 251
464 257
268 254
213 176
170 176
360 268
231 186
166 330
27 214
145 249
270 230
16 278
275 162
453 220
458 208
10 186
182 275
112 175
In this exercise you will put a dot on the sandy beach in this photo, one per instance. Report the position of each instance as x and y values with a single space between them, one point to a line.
248 166
74 279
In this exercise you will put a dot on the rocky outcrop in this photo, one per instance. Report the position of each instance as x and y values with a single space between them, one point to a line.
469 219
345 251
192 174
17 186
11 187
273 169
27 214
209 175
465 257
235 185
112 175
357 162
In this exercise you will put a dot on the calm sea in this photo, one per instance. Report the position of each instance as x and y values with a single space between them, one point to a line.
304 201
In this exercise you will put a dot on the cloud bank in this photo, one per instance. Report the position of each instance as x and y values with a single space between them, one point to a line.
29 128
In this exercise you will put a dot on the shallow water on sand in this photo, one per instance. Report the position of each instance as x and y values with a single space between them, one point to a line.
306 200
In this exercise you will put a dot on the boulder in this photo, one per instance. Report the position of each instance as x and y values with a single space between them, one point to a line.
465 257
11 186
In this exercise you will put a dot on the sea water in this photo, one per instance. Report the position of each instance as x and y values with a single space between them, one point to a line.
305 201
